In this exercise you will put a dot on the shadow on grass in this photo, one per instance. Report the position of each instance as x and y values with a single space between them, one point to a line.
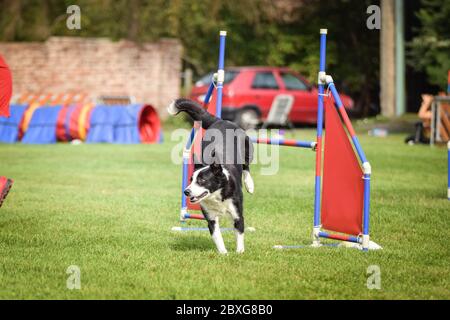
193 242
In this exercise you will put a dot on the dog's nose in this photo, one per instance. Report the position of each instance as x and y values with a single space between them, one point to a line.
187 192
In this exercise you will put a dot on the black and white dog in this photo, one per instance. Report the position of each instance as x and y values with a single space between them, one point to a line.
216 182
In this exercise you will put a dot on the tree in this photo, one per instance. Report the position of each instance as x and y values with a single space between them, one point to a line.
430 49
261 32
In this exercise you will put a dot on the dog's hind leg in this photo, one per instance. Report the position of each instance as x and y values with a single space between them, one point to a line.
216 234
239 232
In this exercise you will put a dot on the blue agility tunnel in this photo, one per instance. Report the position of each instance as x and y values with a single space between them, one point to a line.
9 127
42 126
128 124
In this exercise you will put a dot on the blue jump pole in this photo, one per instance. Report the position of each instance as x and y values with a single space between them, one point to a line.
321 84
209 93
220 73
186 153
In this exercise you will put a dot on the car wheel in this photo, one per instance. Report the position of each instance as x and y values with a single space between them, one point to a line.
248 118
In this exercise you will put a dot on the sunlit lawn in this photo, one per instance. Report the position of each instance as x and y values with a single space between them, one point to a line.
109 210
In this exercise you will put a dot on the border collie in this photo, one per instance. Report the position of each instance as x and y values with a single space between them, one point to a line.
216 181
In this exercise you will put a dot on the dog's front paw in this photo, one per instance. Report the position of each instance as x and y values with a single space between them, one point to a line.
240 251
223 252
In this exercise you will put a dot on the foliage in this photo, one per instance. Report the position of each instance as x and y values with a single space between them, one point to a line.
262 32
430 49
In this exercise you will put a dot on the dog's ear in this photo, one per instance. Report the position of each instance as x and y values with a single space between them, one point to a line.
216 168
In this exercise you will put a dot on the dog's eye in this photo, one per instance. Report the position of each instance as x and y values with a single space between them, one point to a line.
200 180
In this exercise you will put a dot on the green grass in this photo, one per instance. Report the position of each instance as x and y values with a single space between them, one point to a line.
109 209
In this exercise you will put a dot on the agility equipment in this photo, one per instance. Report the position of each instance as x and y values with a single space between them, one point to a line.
73 122
124 124
285 142
9 127
37 124
341 206
193 145
5 88
440 119
5 186
42 126
195 137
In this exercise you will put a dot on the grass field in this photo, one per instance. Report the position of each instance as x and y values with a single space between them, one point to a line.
109 209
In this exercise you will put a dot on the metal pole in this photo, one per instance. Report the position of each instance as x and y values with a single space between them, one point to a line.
399 59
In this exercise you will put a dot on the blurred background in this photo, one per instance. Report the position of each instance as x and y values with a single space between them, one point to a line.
154 51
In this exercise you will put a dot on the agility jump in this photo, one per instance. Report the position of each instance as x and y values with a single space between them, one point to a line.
341 206
192 145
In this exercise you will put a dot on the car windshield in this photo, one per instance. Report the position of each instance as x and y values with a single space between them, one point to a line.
292 82
206 79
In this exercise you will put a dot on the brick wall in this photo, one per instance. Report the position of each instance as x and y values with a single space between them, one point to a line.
97 66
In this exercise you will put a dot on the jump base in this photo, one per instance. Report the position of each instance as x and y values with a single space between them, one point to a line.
182 229
343 244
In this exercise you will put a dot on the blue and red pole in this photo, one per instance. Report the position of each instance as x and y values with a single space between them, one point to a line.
285 142
321 84
186 153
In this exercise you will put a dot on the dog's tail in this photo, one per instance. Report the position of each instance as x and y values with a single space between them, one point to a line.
194 110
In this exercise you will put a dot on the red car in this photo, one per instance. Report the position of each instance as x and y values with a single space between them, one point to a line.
248 94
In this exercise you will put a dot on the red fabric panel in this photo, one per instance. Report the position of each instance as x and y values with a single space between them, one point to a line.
5 88
343 186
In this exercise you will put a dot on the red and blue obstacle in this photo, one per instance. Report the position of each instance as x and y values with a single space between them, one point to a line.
193 143
285 142
342 179
342 182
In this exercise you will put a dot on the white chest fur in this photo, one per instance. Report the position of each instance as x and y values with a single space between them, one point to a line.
216 207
